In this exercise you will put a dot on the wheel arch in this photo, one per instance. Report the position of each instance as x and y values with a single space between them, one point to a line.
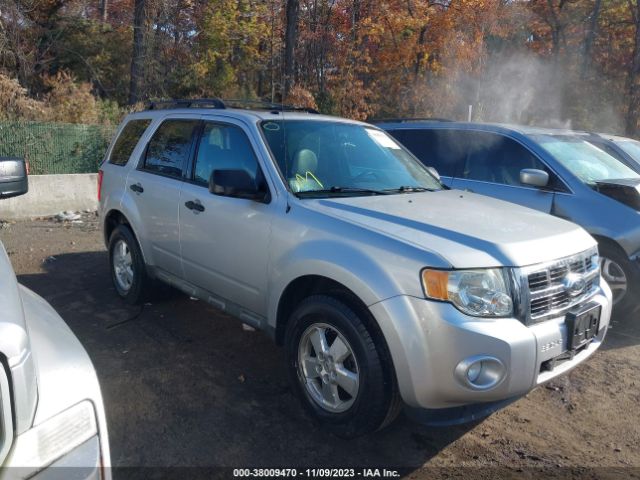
112 220
308 285
607 242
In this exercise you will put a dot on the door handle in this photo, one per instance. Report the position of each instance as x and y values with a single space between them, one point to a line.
136 187
194 206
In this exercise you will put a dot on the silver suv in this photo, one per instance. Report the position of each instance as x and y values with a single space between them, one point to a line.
52 420
383 285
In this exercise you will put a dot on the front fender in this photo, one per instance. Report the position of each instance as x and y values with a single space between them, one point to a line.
340 262
602 217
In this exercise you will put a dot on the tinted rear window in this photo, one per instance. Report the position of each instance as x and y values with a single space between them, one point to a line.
169 147
127 141
440 149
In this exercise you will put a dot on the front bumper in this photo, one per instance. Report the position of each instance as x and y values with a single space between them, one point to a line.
427 340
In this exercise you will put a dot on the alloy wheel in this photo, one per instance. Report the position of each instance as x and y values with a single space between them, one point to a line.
328 368
615 277
123 265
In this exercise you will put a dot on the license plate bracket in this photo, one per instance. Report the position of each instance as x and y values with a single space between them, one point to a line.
582 326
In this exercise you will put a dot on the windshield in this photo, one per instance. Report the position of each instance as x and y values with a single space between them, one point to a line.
322 157
586 161
632 147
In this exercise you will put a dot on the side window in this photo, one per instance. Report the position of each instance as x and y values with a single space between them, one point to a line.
169 147
223 147
440 149
497 159
127 141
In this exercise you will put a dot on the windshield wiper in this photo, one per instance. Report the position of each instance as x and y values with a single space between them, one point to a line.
409 189
342 190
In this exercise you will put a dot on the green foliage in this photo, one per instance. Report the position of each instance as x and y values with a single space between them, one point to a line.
95 53
229 47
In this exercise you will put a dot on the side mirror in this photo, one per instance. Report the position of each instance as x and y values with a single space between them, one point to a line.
434 172
236 183
13 177
534 177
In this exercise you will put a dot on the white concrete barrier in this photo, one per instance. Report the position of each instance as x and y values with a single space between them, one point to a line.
51 194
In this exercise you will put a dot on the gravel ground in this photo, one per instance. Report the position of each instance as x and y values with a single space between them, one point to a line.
185 385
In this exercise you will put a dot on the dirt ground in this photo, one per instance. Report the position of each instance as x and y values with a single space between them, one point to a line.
185 385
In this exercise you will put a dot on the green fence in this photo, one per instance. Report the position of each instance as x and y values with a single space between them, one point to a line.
56 147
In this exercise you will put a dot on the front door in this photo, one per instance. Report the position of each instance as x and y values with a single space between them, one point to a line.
492 167
225 240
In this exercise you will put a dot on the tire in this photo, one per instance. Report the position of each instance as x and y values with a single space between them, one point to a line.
616 270
136 291
355 411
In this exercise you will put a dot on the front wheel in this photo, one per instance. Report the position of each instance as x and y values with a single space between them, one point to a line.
339 369
622 277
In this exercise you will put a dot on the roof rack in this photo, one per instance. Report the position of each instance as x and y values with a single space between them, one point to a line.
187 103
406 120
218 103
262 105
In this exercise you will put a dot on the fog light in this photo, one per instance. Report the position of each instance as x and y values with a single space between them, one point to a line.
474 370
480 372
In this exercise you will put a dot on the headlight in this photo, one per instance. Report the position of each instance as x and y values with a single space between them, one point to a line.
481 293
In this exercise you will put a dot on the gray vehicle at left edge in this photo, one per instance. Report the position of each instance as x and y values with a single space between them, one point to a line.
52 419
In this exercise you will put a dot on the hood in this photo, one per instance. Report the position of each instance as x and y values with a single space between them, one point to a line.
625 191
465 229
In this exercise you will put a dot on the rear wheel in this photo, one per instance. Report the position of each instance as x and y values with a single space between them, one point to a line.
128 271
338 368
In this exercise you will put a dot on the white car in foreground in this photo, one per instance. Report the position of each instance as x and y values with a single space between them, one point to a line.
51 410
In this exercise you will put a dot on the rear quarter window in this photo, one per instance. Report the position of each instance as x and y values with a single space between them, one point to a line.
127 141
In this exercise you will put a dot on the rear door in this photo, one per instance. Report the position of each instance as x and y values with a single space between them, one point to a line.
437 148
225 240
492 167
155 188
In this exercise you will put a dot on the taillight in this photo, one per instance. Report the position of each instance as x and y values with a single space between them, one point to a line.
100 174
26 166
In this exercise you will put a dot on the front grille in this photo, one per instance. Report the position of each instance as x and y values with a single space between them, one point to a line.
550 285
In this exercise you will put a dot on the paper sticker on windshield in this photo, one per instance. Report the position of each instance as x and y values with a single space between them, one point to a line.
382 139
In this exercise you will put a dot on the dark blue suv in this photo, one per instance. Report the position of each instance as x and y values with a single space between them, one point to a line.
555 171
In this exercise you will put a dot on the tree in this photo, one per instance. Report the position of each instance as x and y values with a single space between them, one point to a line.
633 83
290 40
137 58
590 37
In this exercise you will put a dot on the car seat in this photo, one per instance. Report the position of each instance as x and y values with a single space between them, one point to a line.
304 169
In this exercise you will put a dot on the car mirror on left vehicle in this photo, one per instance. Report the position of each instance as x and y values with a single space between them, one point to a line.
13 177
534 177
434 172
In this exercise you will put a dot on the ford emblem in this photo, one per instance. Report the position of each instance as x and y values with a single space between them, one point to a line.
574 284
